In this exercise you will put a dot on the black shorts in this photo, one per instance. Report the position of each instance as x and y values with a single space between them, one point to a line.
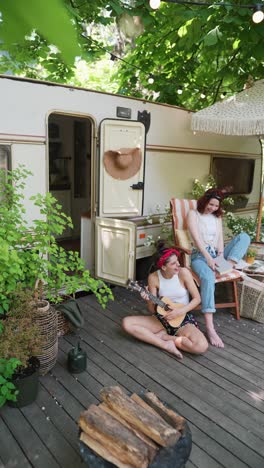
173 330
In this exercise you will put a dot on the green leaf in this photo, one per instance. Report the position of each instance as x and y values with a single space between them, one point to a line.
20 19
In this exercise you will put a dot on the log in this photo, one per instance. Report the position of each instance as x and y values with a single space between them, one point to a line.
144 420
142 403
114 437
103 452
172 418
152 447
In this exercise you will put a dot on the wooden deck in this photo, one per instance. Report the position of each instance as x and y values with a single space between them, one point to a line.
221 394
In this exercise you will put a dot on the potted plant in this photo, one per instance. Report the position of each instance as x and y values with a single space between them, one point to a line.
237 224
240 201
30 251
250 255
19 345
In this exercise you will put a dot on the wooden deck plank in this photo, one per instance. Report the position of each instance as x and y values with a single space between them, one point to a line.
228 424
160 391
62 395
63 421
53 439
221 394
203 456
14 457
29 441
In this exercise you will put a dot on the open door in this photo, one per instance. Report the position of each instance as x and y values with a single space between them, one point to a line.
121 192
115 247
121 184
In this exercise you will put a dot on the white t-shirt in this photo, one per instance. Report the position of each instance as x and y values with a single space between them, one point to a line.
208 225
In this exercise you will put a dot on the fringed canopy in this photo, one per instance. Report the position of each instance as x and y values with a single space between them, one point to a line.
242 114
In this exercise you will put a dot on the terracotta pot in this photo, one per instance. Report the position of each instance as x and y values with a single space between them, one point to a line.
250 260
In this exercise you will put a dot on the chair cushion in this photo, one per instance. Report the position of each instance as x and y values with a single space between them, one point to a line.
235 274
183 239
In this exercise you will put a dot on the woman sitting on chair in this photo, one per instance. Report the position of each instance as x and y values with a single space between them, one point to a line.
205 227
176 284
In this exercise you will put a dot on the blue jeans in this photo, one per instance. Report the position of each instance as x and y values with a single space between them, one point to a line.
234 250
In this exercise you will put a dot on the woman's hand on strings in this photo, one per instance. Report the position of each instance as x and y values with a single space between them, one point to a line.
174 312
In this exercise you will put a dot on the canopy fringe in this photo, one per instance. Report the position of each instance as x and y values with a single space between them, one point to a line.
227 127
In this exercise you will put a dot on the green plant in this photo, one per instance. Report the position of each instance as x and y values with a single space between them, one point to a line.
7 388
199 188
20 340
238 224
160 218
251 253
29 251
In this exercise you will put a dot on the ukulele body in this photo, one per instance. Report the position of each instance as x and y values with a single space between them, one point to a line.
176 322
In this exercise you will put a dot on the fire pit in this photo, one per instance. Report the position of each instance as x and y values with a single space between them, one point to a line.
133 431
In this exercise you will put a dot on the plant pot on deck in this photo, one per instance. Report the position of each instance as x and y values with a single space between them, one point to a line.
250 260
26 382
46 319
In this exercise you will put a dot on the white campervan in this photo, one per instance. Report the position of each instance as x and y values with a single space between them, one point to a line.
67 135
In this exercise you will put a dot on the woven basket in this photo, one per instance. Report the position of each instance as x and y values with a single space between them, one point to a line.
251 299
63 326
46 319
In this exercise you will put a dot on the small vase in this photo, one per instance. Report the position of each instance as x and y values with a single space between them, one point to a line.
250 260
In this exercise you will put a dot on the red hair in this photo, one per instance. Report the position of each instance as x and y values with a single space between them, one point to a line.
203 201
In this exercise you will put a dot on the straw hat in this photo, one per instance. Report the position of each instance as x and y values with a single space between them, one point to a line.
123 163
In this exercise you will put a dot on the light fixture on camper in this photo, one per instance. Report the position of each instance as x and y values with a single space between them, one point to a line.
154 4
258 14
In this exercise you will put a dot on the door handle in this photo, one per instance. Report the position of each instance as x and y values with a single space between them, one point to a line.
138 186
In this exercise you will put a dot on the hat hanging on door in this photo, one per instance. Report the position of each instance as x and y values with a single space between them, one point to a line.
123 163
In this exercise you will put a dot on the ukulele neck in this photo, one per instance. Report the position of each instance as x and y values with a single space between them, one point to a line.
156 300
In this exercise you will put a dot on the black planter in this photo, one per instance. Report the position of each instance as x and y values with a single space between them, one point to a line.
167 457
26 382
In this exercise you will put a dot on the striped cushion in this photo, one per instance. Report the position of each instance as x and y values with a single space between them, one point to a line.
234 274
180 209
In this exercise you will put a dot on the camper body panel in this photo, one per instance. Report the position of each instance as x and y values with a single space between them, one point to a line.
174 155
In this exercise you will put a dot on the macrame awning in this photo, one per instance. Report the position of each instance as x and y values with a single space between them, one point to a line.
242 114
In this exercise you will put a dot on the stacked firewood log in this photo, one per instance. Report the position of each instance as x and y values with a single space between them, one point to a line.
128 431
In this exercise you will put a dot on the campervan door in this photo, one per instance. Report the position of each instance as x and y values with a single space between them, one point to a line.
120 195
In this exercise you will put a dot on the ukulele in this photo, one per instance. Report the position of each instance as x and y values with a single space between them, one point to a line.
163 304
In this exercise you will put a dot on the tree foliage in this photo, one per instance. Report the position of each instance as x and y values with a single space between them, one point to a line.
199 50
205 52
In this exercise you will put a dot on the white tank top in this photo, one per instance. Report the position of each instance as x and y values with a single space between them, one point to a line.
173 289
208 225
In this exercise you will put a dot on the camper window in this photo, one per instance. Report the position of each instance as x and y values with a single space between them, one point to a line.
235 173
5 157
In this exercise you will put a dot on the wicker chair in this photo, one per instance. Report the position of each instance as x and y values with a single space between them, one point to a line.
179 210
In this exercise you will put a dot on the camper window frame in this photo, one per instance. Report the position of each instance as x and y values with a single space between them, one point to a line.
6 163
238 159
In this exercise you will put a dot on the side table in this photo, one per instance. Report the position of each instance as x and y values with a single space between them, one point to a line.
256 270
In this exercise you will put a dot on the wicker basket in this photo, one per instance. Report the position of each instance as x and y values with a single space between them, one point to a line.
46 319
251 299
63 325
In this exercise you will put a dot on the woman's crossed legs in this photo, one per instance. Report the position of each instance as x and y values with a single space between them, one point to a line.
148 329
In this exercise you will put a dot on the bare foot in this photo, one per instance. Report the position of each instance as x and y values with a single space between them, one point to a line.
214 339
171 348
